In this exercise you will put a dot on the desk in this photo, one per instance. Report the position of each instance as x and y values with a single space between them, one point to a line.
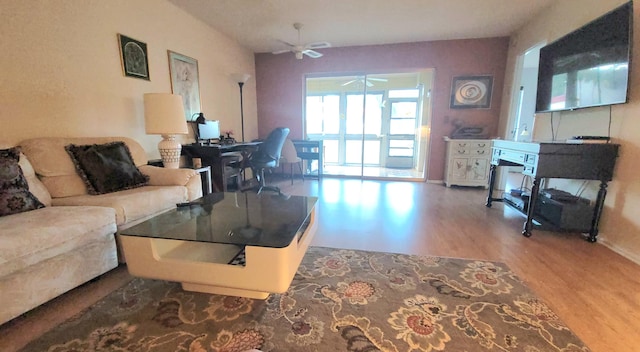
555 160
310 150
211 155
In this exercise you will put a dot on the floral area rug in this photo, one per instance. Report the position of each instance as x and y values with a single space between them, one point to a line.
340 300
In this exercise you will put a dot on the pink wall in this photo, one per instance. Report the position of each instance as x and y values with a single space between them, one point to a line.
280 82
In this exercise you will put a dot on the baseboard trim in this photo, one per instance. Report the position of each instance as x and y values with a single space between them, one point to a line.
623 252
436 181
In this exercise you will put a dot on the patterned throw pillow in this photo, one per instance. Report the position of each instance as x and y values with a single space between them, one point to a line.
14 189
106 168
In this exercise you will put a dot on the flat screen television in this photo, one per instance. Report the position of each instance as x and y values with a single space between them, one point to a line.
209 130
589 66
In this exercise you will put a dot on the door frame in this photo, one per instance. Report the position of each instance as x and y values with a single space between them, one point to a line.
518 118
401 161
424 80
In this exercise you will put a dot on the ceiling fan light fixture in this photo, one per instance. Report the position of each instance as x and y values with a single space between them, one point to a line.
299 55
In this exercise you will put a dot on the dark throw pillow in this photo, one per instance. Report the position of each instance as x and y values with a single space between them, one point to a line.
14 189
106 168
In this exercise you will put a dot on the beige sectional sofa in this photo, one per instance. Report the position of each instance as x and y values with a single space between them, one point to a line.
48 251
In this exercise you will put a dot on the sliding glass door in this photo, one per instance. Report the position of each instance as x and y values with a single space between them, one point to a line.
370 125
363 128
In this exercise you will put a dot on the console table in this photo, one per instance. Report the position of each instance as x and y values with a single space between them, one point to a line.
588 161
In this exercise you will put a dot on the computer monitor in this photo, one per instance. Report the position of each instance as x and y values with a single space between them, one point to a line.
209 130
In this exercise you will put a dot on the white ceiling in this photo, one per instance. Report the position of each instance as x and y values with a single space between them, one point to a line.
259 24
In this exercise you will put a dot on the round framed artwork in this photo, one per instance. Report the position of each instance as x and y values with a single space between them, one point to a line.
471 92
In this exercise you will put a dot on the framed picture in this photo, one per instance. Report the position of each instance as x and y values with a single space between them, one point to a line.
135 61
184 81
471 92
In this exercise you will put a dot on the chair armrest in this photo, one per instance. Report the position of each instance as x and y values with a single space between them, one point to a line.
159 176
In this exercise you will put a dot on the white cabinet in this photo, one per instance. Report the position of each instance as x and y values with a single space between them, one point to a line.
467 162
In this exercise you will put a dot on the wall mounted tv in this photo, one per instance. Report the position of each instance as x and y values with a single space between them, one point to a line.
588 67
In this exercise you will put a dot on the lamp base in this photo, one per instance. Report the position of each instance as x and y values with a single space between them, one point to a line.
170 151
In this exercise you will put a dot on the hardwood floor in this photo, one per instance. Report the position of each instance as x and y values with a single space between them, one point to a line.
595 291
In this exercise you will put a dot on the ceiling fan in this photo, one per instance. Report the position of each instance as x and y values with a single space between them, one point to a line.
303 49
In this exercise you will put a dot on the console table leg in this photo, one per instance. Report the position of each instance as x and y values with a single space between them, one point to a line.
597 212
492 180
533 199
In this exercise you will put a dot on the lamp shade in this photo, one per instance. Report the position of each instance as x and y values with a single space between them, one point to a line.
164 114
241 77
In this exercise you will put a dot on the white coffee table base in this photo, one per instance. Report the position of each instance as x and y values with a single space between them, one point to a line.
203 267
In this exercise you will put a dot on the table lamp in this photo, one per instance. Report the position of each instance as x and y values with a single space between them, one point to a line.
164 115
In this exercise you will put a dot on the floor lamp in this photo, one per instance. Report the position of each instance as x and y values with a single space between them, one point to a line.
241 78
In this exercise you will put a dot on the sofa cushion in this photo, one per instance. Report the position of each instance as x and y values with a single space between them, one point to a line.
132 204
54 167
14 189
36 187
31 237
106 168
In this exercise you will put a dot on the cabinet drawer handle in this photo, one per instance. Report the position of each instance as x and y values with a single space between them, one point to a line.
481 144
480 151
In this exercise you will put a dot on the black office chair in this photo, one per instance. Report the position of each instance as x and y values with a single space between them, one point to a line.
267 156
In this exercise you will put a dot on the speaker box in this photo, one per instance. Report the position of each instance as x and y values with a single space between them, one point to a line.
571 215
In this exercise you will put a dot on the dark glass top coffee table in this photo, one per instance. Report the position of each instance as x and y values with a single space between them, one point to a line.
239 244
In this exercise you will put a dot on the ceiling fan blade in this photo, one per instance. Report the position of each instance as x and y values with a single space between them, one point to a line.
377 79
348 83
285 43
291 46
318 45
369 84
312 54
